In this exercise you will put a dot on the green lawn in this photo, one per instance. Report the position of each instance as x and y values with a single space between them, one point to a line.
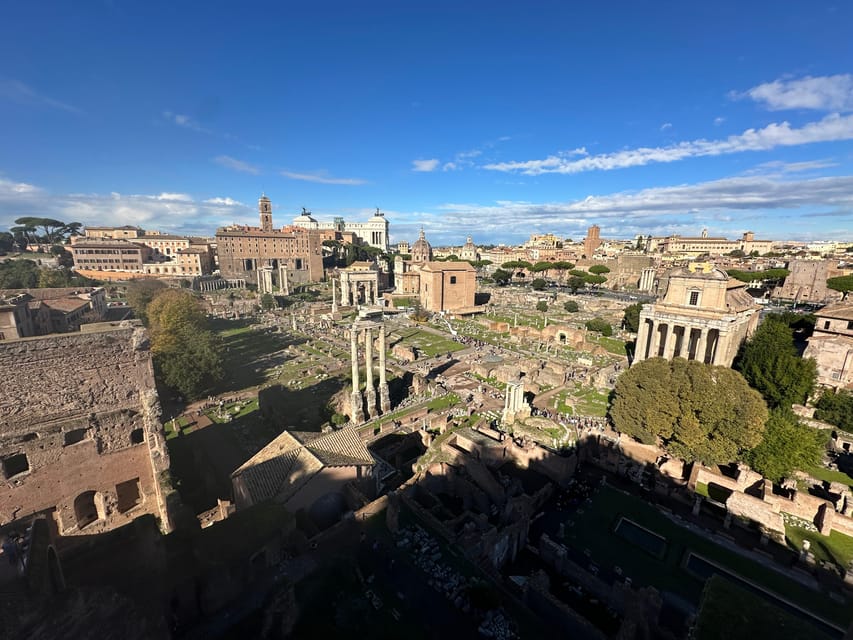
590 402
444 402
593 530
613 345
428 343
828 475
836 548
714 492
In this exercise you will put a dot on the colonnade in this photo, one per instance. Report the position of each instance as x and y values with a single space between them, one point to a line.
667 339
374 405
350 284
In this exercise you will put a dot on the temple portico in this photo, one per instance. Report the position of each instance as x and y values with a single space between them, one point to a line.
704 316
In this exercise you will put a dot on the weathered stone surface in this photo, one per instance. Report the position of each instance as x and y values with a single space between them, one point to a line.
83 409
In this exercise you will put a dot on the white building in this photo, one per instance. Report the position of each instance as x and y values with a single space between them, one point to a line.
374 232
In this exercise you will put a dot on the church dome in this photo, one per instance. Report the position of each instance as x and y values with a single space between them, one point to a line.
421 250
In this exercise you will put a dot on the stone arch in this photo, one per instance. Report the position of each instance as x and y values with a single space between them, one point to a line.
561 337
88 508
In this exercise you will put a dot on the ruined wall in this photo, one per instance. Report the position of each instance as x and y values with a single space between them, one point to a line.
79 413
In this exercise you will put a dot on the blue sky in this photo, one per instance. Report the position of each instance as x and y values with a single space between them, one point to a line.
490 119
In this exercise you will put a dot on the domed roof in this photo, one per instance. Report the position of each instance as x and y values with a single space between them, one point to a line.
421 249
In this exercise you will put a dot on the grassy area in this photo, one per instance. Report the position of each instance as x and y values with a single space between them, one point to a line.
245 409
613 345
590 402
836 548
714 492
444 402
829 475
732 612
429 343
246 350
593 530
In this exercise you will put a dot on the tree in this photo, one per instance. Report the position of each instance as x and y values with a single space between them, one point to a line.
770 363
542 306
501 277
187 354
538 284
631 319
571 306
595 280
836 407
753 276
140 293
267 302
63 256
600 326
7 242
599 269
696 411
841 283
542 265
19 274
787 445
576 283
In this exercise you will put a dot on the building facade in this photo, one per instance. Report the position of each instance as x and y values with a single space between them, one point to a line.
374 232
703 316
831 345
244 251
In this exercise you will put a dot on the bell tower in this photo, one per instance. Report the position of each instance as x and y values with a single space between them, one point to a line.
265 210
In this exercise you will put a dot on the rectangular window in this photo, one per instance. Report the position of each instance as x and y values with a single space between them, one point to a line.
826 324
694 298
452 279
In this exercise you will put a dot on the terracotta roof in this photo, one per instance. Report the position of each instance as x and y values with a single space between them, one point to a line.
281 468
447 266
841 311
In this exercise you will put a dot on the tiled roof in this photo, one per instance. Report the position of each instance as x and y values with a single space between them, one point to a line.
840 311
281 468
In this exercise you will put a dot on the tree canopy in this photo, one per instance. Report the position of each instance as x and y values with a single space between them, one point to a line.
538 284
516 264
187 354
696 411
140 293
631 319
841 283
542 306
836 407
501 276
599 269
600 326
753 276
575 283
787 445
571 306
770 363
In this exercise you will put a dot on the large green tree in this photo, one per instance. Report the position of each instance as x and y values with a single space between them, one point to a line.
599 269
187 354
141 292
631 319
599 325
539 284
770 363
787 445
501 276
697 412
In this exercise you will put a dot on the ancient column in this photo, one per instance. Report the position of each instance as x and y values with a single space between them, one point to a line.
376 292
669 345
703 344
283 284
369 392
642 345
384 396
334 298
356 402
655 339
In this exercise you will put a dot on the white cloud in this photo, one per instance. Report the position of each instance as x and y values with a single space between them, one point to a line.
237 165
793 167
449 166
185 121
173 212
665 126
822 93
425 165
719 120
831 128
322 177
225 202
17 91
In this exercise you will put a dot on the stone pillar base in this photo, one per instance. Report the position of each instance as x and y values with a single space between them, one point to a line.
370 394
384 398
356 407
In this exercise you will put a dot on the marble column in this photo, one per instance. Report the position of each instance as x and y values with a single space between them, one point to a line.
655 339
642 347
370 391
356 404
669 345
384 396
703 345
334 298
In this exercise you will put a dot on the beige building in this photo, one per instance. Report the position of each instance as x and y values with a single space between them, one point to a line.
831 345
244 250
34 312
692 246
592 241
105 254
806 281
703 316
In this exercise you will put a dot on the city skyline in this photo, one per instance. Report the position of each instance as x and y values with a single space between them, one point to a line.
486 120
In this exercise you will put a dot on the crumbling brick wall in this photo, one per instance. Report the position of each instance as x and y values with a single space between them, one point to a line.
79 423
